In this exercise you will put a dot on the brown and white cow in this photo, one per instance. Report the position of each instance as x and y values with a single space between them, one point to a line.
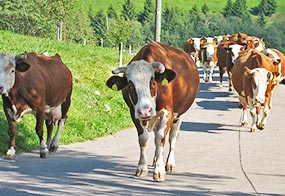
34 83
208 55
192 47
253 79
159 85
227 53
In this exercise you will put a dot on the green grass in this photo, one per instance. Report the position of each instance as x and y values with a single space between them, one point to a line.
89 116
214 5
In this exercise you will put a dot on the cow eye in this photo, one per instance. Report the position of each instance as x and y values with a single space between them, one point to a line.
12 71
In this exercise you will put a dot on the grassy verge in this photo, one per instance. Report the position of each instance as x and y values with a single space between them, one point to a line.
95 110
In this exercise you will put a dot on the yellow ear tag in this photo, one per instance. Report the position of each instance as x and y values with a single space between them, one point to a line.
164 81
114 87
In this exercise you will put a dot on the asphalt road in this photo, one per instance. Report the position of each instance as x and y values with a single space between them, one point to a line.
215 156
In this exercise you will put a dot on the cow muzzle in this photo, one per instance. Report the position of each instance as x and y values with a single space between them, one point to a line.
145 113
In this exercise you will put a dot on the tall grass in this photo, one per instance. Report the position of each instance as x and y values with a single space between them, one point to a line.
95 110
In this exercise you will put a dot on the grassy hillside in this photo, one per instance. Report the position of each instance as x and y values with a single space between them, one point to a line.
214 5
91 115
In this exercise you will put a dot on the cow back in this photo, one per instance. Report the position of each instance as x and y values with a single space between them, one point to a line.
47 77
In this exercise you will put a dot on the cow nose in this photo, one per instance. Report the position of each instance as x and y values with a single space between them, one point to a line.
144 112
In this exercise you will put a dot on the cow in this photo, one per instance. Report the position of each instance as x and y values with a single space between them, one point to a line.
159 84
227 52
37 84
208 55
253 78
192 47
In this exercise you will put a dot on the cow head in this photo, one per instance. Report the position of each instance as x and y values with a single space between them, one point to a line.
9 64
259 79
235 51
209 51
141 81
196 43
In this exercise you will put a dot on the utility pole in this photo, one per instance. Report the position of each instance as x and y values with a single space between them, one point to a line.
158 20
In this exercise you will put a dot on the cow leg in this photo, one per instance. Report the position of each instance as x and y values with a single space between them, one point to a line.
49 126
39 129
160 134
142 169
212 66
253 113
55 142
244 111
11 152
230 81
205 76
222 71
173 137
261 125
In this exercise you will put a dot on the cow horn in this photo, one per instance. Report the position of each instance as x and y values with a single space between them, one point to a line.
159 65
21 57
119 70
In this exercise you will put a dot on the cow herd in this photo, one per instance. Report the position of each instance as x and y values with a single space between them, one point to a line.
253 70
159 85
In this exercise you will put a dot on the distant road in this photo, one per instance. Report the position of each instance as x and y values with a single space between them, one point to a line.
215 156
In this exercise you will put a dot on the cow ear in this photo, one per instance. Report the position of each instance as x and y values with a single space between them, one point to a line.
22 66
165 77
117 83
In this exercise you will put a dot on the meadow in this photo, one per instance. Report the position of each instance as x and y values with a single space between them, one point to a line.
95 110
184 5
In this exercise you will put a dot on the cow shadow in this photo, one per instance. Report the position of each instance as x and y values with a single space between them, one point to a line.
215 128
97 175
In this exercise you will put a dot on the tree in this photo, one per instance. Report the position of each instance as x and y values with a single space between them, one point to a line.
228 10
205 9
128 11
267 7
111 12
239 8
147 14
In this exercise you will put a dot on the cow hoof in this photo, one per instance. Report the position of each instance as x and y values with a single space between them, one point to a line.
44 154
252 129
10 157
141 173
159 177
244 124
10 154
230 89
170 168
53 148
261 126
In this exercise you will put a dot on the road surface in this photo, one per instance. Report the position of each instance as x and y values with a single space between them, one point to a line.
215 156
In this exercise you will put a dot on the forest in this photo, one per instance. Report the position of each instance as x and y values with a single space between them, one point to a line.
107 28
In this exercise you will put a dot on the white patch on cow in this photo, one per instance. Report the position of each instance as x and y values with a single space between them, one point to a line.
260 76
140 74
7 73
196 43
210 40
235 48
